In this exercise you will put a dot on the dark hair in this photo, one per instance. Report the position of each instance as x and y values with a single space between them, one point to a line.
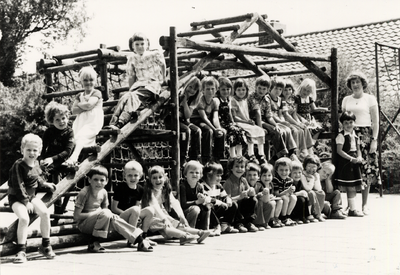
224 81
251 166
263 80
347 115
238 159
240 83
277 82
148 187
313 159
52 109
97 170
211 168
289 84
138 37
284 161
354 75
267 167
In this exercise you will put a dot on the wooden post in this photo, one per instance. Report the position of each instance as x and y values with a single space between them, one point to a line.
175 171
334 101
49 84
103 75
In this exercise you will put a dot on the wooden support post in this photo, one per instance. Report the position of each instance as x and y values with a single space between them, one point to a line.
175 171
49 84
250 64
334 101
210 31
222 21
103 75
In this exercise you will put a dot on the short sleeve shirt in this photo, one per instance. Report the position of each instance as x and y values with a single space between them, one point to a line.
89 203
208 108
126 196
361 108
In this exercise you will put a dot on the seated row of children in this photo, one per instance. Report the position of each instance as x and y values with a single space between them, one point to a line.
253 198
214 112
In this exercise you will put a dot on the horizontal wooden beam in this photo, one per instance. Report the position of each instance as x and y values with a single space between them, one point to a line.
209 31
109 54
224 48
83 53
227 20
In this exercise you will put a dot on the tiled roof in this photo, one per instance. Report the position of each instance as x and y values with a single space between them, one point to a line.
357 43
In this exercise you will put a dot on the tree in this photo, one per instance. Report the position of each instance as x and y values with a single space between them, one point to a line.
55 19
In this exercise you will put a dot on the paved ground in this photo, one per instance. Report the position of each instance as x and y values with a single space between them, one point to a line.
368 245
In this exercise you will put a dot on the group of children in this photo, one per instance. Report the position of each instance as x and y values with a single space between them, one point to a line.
255 196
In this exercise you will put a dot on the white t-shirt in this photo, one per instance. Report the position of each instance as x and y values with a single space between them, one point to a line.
361 108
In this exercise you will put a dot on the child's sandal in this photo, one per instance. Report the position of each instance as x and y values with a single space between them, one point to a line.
96 248
253 159
145 246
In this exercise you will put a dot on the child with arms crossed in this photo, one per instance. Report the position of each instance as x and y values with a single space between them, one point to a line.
237 187
158 194
146 72
25 177
127 198
259 178
88 108
223 209
94 218
348 172
283 188
241 115
192 196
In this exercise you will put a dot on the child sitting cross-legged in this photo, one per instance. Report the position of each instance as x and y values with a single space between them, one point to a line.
238 189
283 188
266 206
223 209
192 197
94 218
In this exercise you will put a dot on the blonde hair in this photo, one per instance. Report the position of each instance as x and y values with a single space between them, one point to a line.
193 164
133 164
297 165
310 85
209 80
87 71
328 165
195 99
31 138
52 109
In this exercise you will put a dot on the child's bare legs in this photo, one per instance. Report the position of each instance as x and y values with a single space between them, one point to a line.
131 215
250 149
146 215
43 213
278 208
285 204
23 221
292 204
232 152
351 198
239 150
75 154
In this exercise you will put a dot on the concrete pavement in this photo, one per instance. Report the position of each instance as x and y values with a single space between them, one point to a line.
368 245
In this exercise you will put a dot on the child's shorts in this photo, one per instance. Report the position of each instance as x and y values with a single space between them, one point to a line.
13 199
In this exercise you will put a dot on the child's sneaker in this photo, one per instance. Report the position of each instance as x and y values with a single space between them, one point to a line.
203 235
217 231
251 227
355 213
47 252
260 227
187 238
241 228
20 258
226 228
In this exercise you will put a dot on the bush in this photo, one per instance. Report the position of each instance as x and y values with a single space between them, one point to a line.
22 112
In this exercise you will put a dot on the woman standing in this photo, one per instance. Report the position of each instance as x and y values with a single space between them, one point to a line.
365 108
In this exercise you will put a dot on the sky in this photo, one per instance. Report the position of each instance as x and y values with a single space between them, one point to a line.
114 21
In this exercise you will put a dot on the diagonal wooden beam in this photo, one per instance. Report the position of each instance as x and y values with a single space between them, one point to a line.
66 184
250 64
290 48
